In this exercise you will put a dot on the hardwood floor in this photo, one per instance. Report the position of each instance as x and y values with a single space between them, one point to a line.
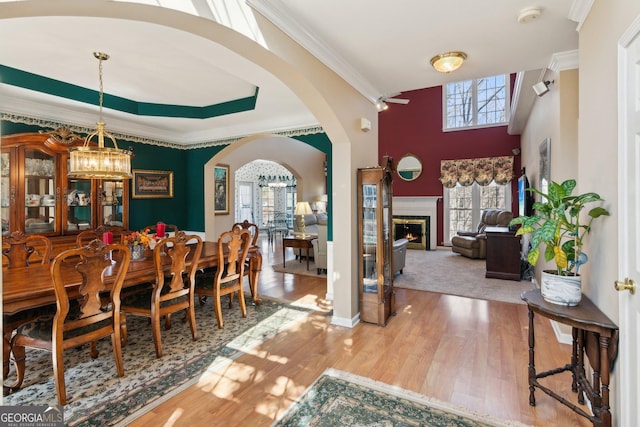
472 353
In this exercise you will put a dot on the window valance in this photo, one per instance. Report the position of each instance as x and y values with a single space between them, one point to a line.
482 171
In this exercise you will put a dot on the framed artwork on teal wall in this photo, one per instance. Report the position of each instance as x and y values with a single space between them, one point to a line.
221 185
148 184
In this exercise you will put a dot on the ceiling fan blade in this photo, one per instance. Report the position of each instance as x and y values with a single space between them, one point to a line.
397 100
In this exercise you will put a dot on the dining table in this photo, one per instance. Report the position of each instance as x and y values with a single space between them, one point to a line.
31 287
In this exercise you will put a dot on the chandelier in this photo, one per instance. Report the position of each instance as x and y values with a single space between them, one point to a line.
277 181
91 162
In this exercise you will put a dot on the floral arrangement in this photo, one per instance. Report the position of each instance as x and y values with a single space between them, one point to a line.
138 238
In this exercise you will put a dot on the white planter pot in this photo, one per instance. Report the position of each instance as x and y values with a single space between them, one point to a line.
561 290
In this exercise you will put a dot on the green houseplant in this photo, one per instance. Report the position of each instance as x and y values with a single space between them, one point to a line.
557 224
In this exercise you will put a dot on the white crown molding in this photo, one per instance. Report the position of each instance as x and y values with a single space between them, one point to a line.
562 61
579 11
276 12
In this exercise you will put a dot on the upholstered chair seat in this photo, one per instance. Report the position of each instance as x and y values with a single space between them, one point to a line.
473 244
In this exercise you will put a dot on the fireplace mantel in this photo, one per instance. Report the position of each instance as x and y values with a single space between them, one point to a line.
419 206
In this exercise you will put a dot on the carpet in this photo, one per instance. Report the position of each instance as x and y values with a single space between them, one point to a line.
98 397
339 398
297 267
445 272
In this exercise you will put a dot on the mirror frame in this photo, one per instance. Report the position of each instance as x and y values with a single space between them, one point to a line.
414 173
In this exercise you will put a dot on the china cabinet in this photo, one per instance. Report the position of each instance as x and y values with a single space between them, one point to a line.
374 243
38 198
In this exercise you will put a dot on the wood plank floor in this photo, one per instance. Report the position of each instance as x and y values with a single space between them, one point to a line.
472 353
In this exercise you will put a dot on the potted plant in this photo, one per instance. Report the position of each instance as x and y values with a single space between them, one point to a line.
556 223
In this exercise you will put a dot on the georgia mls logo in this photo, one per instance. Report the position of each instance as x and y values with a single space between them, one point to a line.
31 416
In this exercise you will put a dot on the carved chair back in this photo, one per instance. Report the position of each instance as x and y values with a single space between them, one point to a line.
20 250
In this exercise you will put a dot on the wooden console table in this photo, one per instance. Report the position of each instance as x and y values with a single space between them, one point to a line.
503 253
594 335
297 242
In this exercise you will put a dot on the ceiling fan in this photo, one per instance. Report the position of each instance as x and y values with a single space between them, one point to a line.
381 103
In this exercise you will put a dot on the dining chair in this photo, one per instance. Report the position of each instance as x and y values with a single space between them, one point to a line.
228 277
84 237
167 229
253 229
20 250
172 290
77 322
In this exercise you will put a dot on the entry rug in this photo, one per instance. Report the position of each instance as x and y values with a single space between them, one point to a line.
97 396
342 399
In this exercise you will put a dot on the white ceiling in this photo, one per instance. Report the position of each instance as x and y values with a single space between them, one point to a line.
380 47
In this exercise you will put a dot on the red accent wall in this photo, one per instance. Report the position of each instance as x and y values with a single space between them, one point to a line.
417 128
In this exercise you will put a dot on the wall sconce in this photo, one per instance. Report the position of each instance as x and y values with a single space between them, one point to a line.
542 87
515 151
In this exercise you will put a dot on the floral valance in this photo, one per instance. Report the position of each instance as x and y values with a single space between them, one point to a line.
482 171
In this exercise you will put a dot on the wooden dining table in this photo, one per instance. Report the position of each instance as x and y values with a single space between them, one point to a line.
25 288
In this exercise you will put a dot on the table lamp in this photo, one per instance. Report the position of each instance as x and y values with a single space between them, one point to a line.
302 208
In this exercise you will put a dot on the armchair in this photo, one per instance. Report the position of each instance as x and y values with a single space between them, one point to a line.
399 255
473 244
320 248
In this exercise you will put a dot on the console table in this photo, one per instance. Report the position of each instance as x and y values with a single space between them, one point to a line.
503 253
594 335
297 242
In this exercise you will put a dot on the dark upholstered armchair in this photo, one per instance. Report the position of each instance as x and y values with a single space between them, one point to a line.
473 244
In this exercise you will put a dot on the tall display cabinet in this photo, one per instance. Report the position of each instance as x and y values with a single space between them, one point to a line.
38 198
375 275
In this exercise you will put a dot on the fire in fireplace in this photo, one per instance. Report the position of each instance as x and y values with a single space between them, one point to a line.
414 229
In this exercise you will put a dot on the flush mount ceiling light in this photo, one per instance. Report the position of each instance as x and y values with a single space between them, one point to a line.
448 62
528 14
91 162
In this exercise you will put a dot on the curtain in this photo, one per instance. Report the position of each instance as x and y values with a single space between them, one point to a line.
482 171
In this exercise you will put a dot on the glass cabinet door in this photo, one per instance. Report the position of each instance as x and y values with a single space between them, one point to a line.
369 237
111 203
39 192
79 207
7 197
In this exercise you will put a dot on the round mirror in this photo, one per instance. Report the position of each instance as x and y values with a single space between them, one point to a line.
409 167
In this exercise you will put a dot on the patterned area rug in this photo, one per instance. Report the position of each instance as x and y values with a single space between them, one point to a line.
98 397
339 398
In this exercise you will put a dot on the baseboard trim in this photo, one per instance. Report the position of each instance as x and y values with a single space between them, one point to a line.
347 323
562 337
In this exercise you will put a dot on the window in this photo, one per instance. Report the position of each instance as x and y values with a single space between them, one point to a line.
464 205
268 205
476 103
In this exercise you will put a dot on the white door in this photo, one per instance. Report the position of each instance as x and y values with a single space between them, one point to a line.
629 223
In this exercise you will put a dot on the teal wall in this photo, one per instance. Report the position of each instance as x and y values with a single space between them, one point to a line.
186 208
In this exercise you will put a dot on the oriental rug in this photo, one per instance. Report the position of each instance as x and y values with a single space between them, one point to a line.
342 399
96 396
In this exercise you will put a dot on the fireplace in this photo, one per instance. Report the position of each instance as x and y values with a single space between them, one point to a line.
413 228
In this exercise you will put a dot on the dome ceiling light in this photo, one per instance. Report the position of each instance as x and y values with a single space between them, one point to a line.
448 62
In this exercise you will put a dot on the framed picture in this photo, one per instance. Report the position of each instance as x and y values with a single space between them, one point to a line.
545 165
221 186
149 184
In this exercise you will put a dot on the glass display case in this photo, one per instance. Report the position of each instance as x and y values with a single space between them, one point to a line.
375 274
38 198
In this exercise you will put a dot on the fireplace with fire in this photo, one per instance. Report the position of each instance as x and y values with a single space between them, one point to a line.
413 228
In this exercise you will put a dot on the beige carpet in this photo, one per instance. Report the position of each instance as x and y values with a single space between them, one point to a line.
445 272
297 267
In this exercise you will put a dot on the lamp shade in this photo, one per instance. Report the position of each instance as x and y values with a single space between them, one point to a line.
448 62
303 208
